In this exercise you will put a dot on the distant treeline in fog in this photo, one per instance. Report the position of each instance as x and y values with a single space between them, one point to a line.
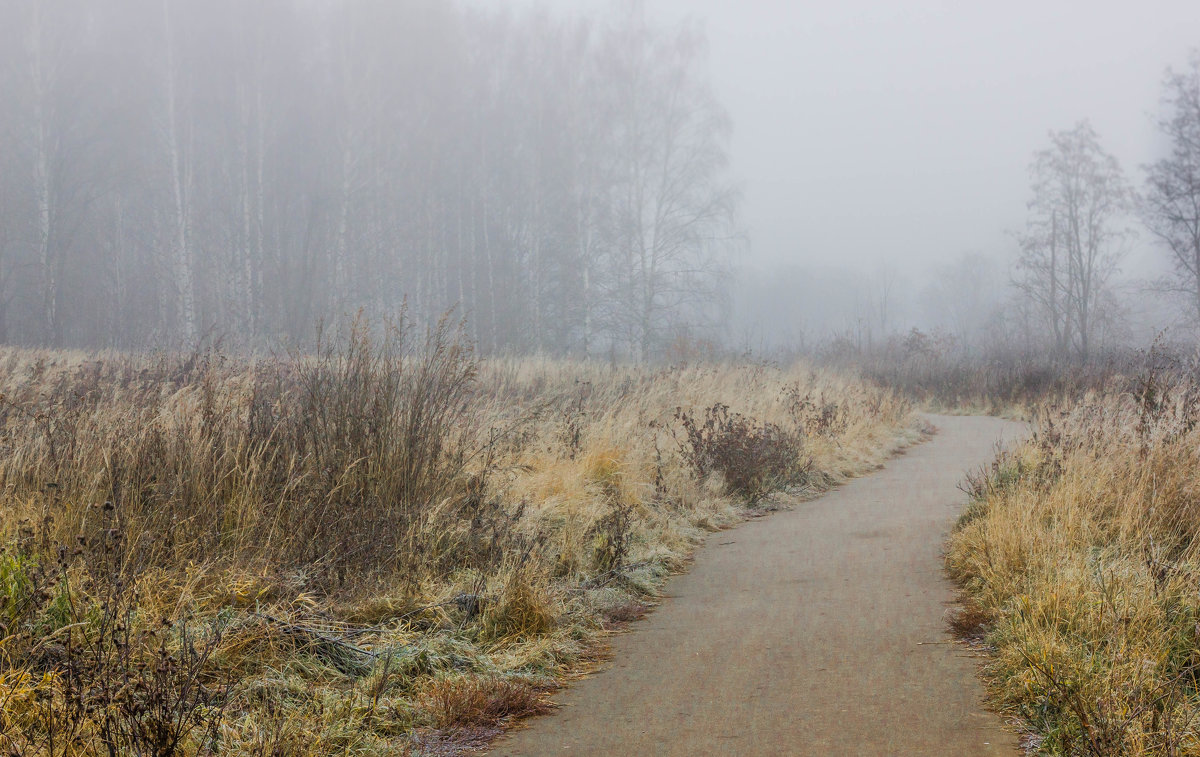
1062 291
176 169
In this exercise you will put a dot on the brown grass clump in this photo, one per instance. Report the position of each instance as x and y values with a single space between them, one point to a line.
625 612
481 702
521 609
1081 554
366 547
971 622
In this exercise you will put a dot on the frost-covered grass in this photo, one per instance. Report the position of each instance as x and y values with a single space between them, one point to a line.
385 545
1080 559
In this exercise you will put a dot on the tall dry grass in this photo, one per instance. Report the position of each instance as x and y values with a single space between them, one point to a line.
1080 558
380 546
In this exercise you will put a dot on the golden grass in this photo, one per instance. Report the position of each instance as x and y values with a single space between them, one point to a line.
1081 564
374 551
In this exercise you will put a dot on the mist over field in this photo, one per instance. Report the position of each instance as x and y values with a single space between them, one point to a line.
369 367
594 179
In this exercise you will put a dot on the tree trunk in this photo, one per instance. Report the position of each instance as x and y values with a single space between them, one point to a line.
180 188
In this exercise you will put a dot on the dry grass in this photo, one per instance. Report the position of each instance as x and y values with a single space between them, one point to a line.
1080 557
481 702
384 546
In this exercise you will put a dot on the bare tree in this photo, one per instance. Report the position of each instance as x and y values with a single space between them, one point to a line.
13 194
1171 204
61 141
883 294
672 203
171 168
1075 239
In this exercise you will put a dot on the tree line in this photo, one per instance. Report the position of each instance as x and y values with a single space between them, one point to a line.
176 169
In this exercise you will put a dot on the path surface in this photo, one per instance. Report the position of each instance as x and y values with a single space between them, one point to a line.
804 633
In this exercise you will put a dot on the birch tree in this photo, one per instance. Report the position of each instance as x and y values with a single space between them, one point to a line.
172 169
178 153
673 205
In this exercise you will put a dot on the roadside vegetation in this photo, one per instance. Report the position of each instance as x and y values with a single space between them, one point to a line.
1079 556
384 545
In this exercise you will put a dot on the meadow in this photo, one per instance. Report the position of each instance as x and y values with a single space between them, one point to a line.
381 545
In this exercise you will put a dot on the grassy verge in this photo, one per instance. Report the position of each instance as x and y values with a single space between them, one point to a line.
1081 566
385 546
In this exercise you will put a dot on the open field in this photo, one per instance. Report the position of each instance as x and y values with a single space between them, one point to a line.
386 545
1080 560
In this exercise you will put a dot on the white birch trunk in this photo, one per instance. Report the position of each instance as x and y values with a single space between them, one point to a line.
41 180
180 179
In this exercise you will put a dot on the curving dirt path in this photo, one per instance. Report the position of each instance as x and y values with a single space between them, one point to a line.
816 631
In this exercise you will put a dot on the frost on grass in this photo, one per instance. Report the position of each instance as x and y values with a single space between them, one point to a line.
1079 555
382 544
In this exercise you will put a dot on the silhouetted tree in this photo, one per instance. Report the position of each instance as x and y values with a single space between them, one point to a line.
1075 239
1171 204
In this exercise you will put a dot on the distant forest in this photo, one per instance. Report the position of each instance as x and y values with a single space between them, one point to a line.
175 170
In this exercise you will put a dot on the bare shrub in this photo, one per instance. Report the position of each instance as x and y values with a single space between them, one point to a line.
114 682
753 458
378 428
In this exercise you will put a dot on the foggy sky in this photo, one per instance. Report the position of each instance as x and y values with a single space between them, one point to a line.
870 130
876 130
